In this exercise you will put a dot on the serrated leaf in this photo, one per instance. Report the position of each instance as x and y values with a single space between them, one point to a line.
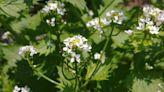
101 74
120 39
96 37
26 23
12 7
44 49
80 4
64 84
140 85
11 54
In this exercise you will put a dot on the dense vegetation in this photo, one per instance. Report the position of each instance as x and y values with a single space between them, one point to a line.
81 46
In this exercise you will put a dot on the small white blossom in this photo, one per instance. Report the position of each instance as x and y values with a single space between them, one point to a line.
56 6
156 13
27 49
97 56
160 87
51 22
115 16
75 57
16 89
154 30
77 41
98 24
160 18
90 13
74 43
152 19
147 24
21 89
6 35
129 32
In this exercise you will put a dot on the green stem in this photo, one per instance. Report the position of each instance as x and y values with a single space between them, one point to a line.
110 3
99 63
108 39
145 34
41 74
64 73
77 80
97 67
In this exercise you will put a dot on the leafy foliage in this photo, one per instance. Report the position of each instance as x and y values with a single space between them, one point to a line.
119 61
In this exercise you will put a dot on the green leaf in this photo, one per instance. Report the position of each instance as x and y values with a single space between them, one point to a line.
96 37
65 85
11 54
99 74
141 85
44 49
12 7
109 5
80 4
30 2
27 23
120 39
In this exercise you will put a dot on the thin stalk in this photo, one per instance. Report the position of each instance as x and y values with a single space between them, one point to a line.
97 67
108 39
109 4
41 74
145 34
99 63
77 80
64 73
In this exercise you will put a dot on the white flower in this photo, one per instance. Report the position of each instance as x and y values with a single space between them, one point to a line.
51 22
6 35
141 26
75 57
72 44
56 6
16 89
149 10
98 24
97 56
76 41
53 6
21 89
115 16
148 24
129 32
25 89
46 9
105 21
153 29
61 11
90 13
160 18
27 49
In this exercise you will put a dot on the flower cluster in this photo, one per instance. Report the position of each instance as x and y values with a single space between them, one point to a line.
115 16
51 22
74 43
57 6
98 23
27 50
21 89
111 16
152 19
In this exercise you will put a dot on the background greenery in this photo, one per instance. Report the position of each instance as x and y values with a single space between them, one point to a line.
125 68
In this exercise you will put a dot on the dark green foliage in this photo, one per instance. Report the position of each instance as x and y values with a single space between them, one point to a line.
127 64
